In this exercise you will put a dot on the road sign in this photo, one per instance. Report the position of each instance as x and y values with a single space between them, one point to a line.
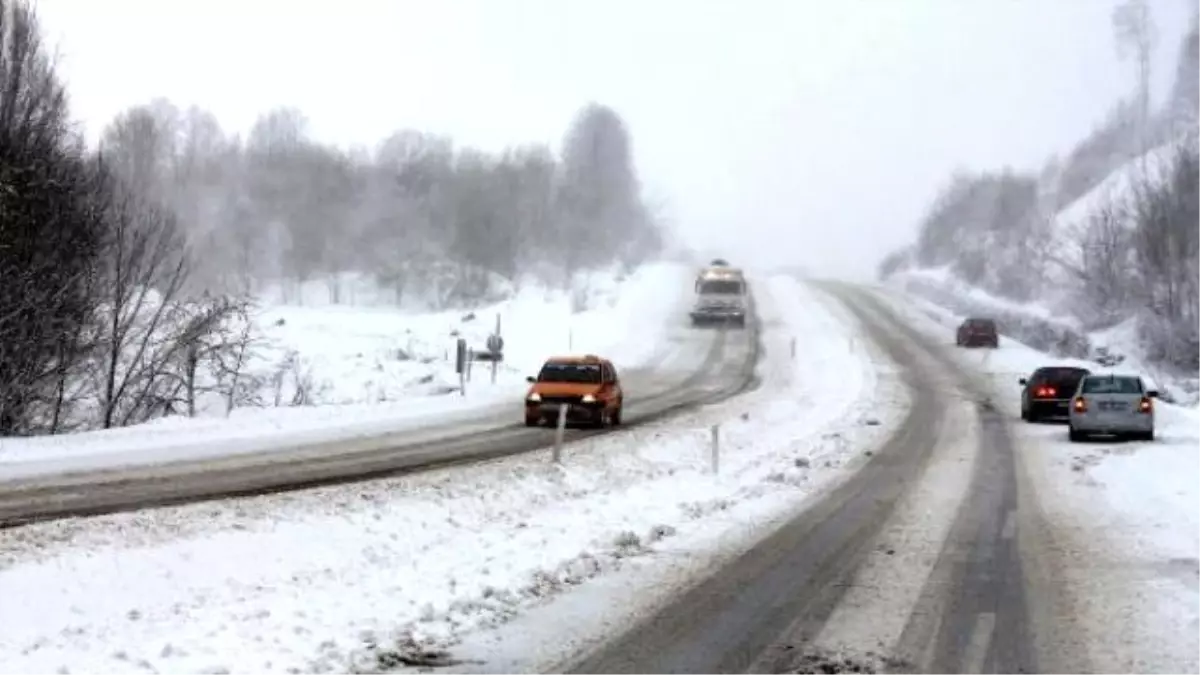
495 343
460 356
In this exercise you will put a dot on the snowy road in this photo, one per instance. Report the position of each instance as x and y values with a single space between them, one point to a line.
692 368
879 508
356 577
764 611
1118 521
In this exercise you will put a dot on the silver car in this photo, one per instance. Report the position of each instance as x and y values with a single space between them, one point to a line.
1112 404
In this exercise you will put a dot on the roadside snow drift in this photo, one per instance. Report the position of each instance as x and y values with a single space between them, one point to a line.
375 370
1125 516
432 568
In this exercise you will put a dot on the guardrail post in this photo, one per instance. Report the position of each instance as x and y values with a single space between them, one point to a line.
559 430
793 349
716 448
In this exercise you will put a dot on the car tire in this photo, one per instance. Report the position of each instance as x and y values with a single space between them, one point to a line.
1026 414
616 417
1146 435
1074 435
531 421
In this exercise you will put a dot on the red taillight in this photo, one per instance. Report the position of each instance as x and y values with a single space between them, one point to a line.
1145 406
1080 404
1045 392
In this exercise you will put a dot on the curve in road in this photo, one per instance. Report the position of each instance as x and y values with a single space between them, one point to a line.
728 368
759 613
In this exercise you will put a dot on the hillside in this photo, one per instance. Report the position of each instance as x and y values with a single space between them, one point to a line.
1076 311
1096 256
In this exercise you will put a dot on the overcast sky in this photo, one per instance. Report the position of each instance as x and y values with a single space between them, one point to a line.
811 132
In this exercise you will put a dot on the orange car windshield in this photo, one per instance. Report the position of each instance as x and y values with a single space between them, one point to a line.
583 373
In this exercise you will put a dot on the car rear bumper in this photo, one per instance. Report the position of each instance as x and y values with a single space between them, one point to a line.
1090 423
1050 407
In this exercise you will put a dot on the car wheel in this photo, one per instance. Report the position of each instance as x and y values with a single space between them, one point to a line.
1025 415
616 416
1147 436
531 421
1074 436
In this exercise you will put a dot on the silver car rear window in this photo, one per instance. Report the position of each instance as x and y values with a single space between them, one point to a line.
1112 385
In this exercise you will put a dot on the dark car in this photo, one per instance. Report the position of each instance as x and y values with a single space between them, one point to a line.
978 333
1048 391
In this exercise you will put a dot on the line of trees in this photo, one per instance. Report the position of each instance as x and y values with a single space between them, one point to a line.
1136 255
418 215
127 271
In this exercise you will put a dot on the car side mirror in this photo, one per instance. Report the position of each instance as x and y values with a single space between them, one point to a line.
1153 393
531 379
1023 381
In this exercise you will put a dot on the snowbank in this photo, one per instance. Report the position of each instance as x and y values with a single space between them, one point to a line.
380 574
1124 516
376 370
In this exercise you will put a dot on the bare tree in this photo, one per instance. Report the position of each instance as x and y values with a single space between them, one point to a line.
145 267
1135 33
1106 265
229 354
1167 249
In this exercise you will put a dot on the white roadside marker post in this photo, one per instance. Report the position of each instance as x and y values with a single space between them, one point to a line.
793 349
716 448
559 430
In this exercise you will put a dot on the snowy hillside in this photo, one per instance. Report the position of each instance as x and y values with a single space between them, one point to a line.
1058 319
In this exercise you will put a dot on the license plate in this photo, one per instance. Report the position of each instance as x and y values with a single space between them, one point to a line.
1113 405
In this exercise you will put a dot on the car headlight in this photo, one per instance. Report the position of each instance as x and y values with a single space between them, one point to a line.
588 398
534 397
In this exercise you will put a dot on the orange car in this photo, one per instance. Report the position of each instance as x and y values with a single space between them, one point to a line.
588 385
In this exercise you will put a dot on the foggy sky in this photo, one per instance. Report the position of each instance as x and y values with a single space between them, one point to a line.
809 132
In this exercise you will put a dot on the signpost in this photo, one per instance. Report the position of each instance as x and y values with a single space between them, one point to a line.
460 365
495 345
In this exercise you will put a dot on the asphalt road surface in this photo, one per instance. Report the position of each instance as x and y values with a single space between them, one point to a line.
697 367
760 612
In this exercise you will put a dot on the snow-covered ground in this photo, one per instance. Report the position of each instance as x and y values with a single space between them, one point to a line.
511 564
377 370
1124 516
